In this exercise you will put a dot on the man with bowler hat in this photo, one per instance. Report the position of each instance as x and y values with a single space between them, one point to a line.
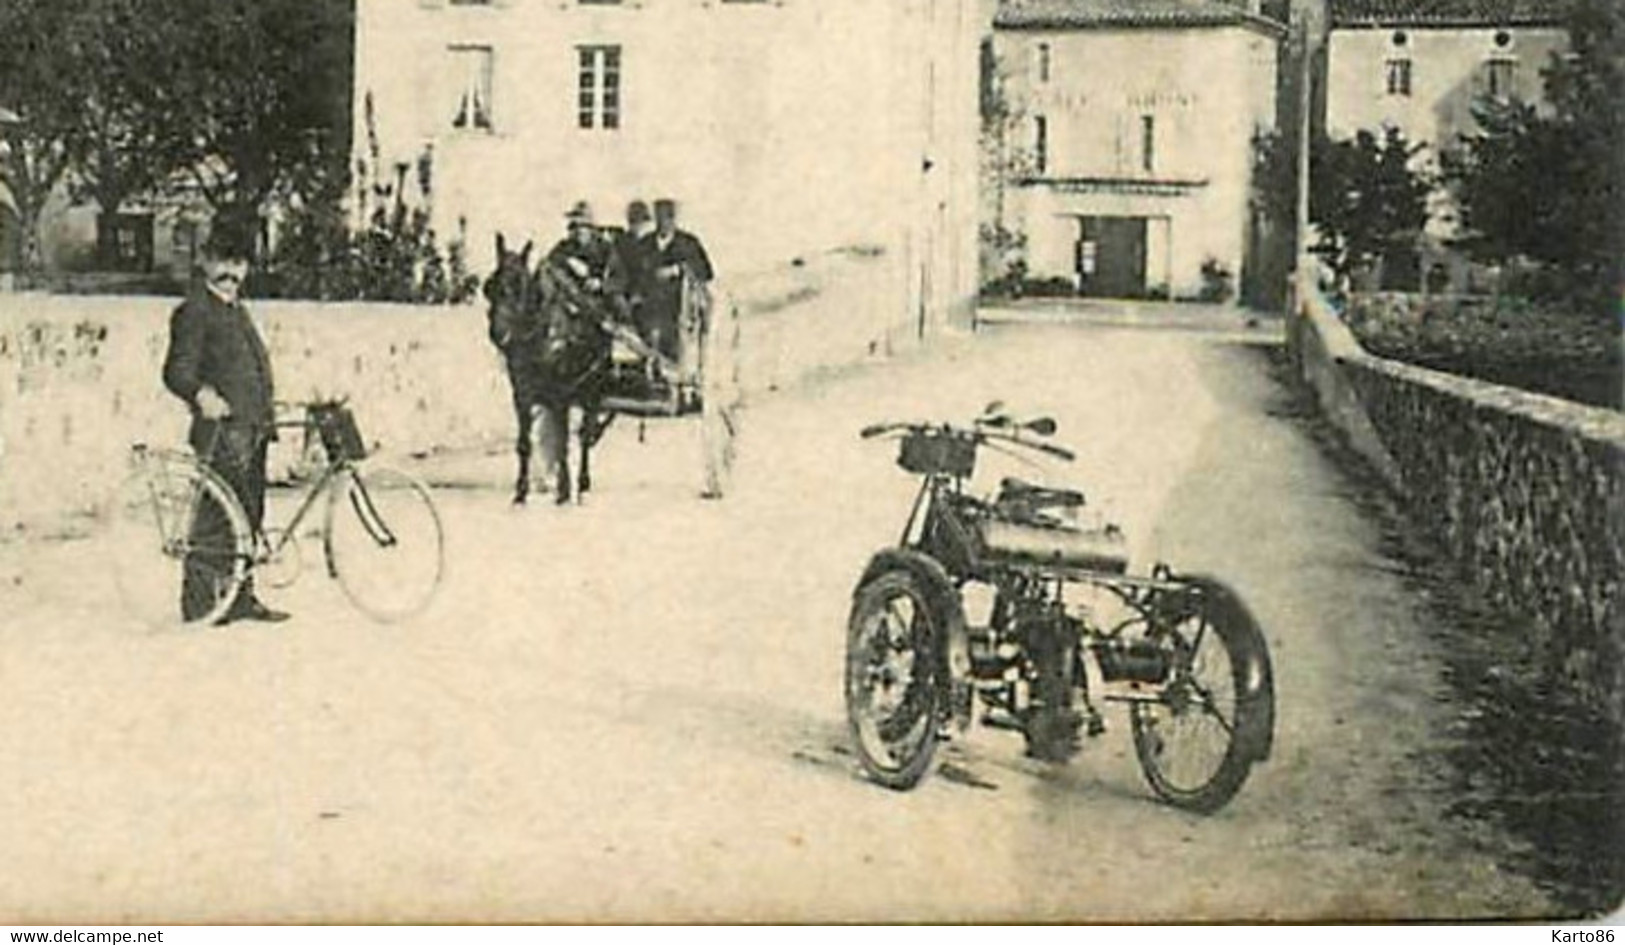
218 366
672 255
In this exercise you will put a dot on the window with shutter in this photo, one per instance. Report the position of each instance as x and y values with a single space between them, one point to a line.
471 68
1148 143
1041 144
1399 77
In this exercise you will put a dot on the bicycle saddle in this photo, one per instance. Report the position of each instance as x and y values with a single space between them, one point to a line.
1012 489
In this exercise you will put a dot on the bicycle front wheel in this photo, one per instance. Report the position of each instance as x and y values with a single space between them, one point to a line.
178 543
384 542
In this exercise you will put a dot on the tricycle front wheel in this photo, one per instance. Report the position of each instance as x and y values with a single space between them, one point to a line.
895 640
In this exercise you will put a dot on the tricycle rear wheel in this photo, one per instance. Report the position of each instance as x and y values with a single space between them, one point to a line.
1197 743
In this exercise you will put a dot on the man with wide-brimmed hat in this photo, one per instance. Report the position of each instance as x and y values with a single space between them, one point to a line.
218 365
582 252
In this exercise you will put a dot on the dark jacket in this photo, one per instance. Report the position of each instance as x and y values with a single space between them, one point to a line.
628 268
684 250
595 255
216 345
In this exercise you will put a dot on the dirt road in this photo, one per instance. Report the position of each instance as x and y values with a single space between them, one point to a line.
631 709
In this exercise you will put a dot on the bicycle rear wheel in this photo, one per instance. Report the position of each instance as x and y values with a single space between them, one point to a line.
384 542
178 542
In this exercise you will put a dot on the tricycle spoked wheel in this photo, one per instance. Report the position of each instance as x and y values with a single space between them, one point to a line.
1215 716
893 693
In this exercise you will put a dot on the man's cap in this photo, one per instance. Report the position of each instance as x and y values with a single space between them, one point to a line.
580 213
637 212
666 206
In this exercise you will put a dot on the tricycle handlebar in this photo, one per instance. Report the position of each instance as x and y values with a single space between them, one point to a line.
978 435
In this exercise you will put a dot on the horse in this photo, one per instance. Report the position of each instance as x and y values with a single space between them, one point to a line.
557 352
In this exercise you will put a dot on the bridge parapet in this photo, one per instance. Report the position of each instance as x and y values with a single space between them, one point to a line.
79 375
1524 492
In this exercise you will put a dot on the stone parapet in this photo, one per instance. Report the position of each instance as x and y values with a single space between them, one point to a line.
1524 492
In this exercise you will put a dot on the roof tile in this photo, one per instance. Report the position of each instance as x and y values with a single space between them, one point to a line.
1447 12
1084 14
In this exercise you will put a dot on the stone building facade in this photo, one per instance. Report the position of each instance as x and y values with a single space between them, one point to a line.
782 127
1419 66
1128 139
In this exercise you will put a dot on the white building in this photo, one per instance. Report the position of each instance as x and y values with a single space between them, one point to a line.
1419 65
782 127
1130 138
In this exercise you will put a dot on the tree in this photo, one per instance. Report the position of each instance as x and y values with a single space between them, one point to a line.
119 149
1001 162
395 257
266 87
1366 200
1273 208
1548 185
43 60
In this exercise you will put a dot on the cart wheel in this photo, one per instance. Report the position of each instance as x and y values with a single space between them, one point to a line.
719 395
717 439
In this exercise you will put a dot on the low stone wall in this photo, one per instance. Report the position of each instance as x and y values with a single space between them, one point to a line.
80 375
1525 492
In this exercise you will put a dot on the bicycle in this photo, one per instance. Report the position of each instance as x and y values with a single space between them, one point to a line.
381 534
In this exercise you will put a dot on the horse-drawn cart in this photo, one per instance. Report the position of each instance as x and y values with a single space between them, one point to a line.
566 347
702 379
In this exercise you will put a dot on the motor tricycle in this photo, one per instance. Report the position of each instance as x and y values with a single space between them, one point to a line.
1064 628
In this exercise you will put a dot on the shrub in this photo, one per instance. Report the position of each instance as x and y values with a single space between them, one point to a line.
396 258
1218 283
1050 287
1000 257
1535 347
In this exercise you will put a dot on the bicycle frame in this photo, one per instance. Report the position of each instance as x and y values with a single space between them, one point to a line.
325 481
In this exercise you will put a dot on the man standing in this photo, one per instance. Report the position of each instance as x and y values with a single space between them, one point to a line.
671 255
627 266
217 364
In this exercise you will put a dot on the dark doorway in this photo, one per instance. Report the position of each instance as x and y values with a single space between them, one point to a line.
124 242
1111 257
